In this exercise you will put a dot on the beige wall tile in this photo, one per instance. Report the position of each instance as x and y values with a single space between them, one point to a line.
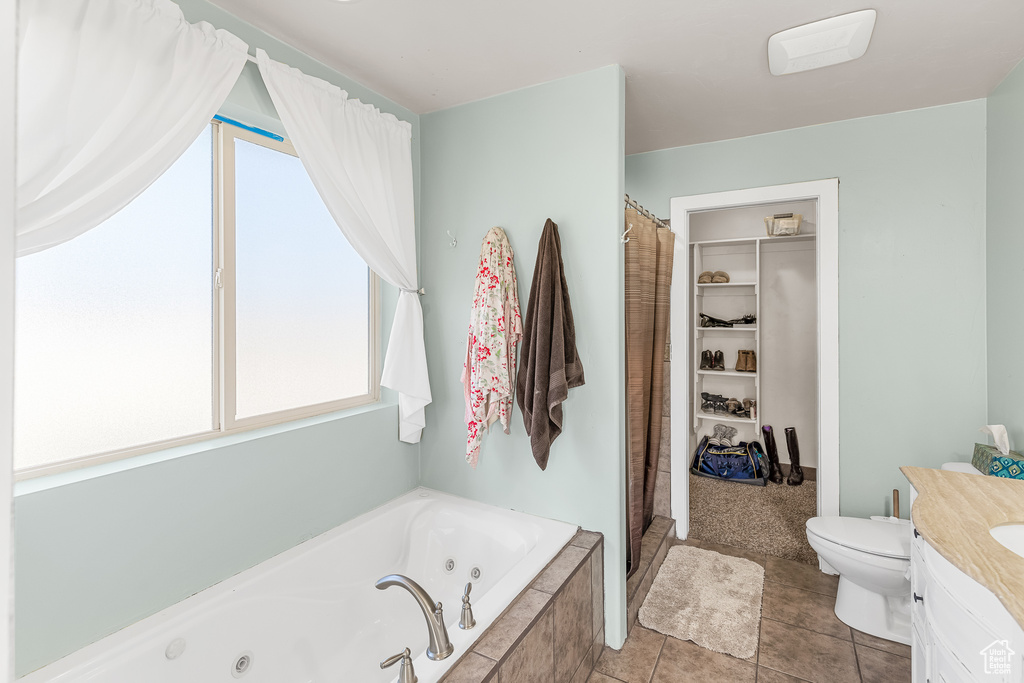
573 625
533 659
504 633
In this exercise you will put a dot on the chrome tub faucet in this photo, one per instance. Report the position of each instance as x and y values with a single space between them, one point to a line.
440 647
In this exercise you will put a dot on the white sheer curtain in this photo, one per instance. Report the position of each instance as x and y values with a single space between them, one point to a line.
360 161
110 94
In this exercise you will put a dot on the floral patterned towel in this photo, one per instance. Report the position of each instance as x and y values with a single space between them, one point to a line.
495 328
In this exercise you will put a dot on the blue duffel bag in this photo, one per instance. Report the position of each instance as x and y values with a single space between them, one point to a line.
744 463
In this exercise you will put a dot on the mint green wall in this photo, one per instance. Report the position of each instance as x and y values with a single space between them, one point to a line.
1005 272
100 553
911 274
553 150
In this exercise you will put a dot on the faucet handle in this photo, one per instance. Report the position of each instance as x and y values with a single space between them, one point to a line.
466 621
406 674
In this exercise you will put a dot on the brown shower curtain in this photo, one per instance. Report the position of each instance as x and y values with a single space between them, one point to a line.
648 258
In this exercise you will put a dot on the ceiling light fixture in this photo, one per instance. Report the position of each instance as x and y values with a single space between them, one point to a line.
821 43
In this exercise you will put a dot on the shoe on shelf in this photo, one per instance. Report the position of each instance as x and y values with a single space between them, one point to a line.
707 404
707 359
705 278
733 406
720 407
748 319
741 361
719 361
751 364
720 277
710 321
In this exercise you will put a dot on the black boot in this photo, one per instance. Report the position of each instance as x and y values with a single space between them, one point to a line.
774 471
796 473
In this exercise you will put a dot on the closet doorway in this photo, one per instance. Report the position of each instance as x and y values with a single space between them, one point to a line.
725 230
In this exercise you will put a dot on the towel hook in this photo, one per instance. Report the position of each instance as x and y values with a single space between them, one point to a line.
625 239
455 242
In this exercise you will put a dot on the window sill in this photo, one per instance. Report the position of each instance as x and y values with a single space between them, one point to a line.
58 479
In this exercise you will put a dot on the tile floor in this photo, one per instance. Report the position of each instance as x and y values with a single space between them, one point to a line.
801 640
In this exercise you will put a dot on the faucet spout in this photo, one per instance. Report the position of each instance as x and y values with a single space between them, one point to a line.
440 647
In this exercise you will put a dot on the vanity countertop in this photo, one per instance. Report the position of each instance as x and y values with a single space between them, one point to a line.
954 512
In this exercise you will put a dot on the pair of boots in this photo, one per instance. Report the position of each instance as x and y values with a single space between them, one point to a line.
796 473
712 360
746 360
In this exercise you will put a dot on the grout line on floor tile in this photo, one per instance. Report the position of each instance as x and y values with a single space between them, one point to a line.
757 654
657 660
809 630
878 649
797 678
856 658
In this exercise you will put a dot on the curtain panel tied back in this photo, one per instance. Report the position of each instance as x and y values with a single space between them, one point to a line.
110 94
360 161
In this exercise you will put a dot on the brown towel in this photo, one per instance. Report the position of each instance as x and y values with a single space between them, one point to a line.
548 363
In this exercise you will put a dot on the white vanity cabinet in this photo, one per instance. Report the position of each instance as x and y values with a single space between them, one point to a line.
960 633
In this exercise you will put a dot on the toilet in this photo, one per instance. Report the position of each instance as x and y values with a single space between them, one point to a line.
872 557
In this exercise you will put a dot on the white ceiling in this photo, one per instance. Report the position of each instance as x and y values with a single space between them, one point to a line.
696 70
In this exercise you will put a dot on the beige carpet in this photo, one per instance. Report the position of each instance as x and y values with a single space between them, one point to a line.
765 519
709 598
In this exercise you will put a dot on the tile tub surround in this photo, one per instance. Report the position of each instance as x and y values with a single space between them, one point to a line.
553 632
657 540
801 640
954 512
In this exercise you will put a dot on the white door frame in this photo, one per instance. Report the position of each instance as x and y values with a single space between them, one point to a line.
826 194
8 74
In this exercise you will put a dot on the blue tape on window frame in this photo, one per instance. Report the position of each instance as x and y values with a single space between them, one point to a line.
254 129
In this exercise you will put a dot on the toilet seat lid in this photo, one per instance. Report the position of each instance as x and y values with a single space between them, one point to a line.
867 535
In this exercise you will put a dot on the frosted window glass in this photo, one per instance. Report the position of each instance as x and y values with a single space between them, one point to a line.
302 300
113 330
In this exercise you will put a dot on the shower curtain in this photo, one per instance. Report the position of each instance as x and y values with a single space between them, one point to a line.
648 267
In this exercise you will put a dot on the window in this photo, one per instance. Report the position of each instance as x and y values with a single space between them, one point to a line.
222 298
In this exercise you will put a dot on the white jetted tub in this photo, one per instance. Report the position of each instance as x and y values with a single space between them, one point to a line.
312 614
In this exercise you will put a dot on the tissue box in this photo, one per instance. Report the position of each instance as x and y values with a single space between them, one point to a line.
989 460
1008 466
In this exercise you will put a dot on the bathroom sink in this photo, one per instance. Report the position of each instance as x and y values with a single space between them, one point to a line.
1010 536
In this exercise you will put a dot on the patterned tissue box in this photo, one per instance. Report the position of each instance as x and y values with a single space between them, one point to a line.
1007 466
989 460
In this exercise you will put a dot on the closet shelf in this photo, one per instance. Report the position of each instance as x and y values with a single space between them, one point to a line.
749 328
802 237
727 242
727 284
727 373
725 418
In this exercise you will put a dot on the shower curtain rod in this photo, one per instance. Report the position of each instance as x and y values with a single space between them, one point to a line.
636 205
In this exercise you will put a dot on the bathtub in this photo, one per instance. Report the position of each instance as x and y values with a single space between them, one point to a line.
312 614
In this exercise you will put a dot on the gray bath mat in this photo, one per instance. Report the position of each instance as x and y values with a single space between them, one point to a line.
709 598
